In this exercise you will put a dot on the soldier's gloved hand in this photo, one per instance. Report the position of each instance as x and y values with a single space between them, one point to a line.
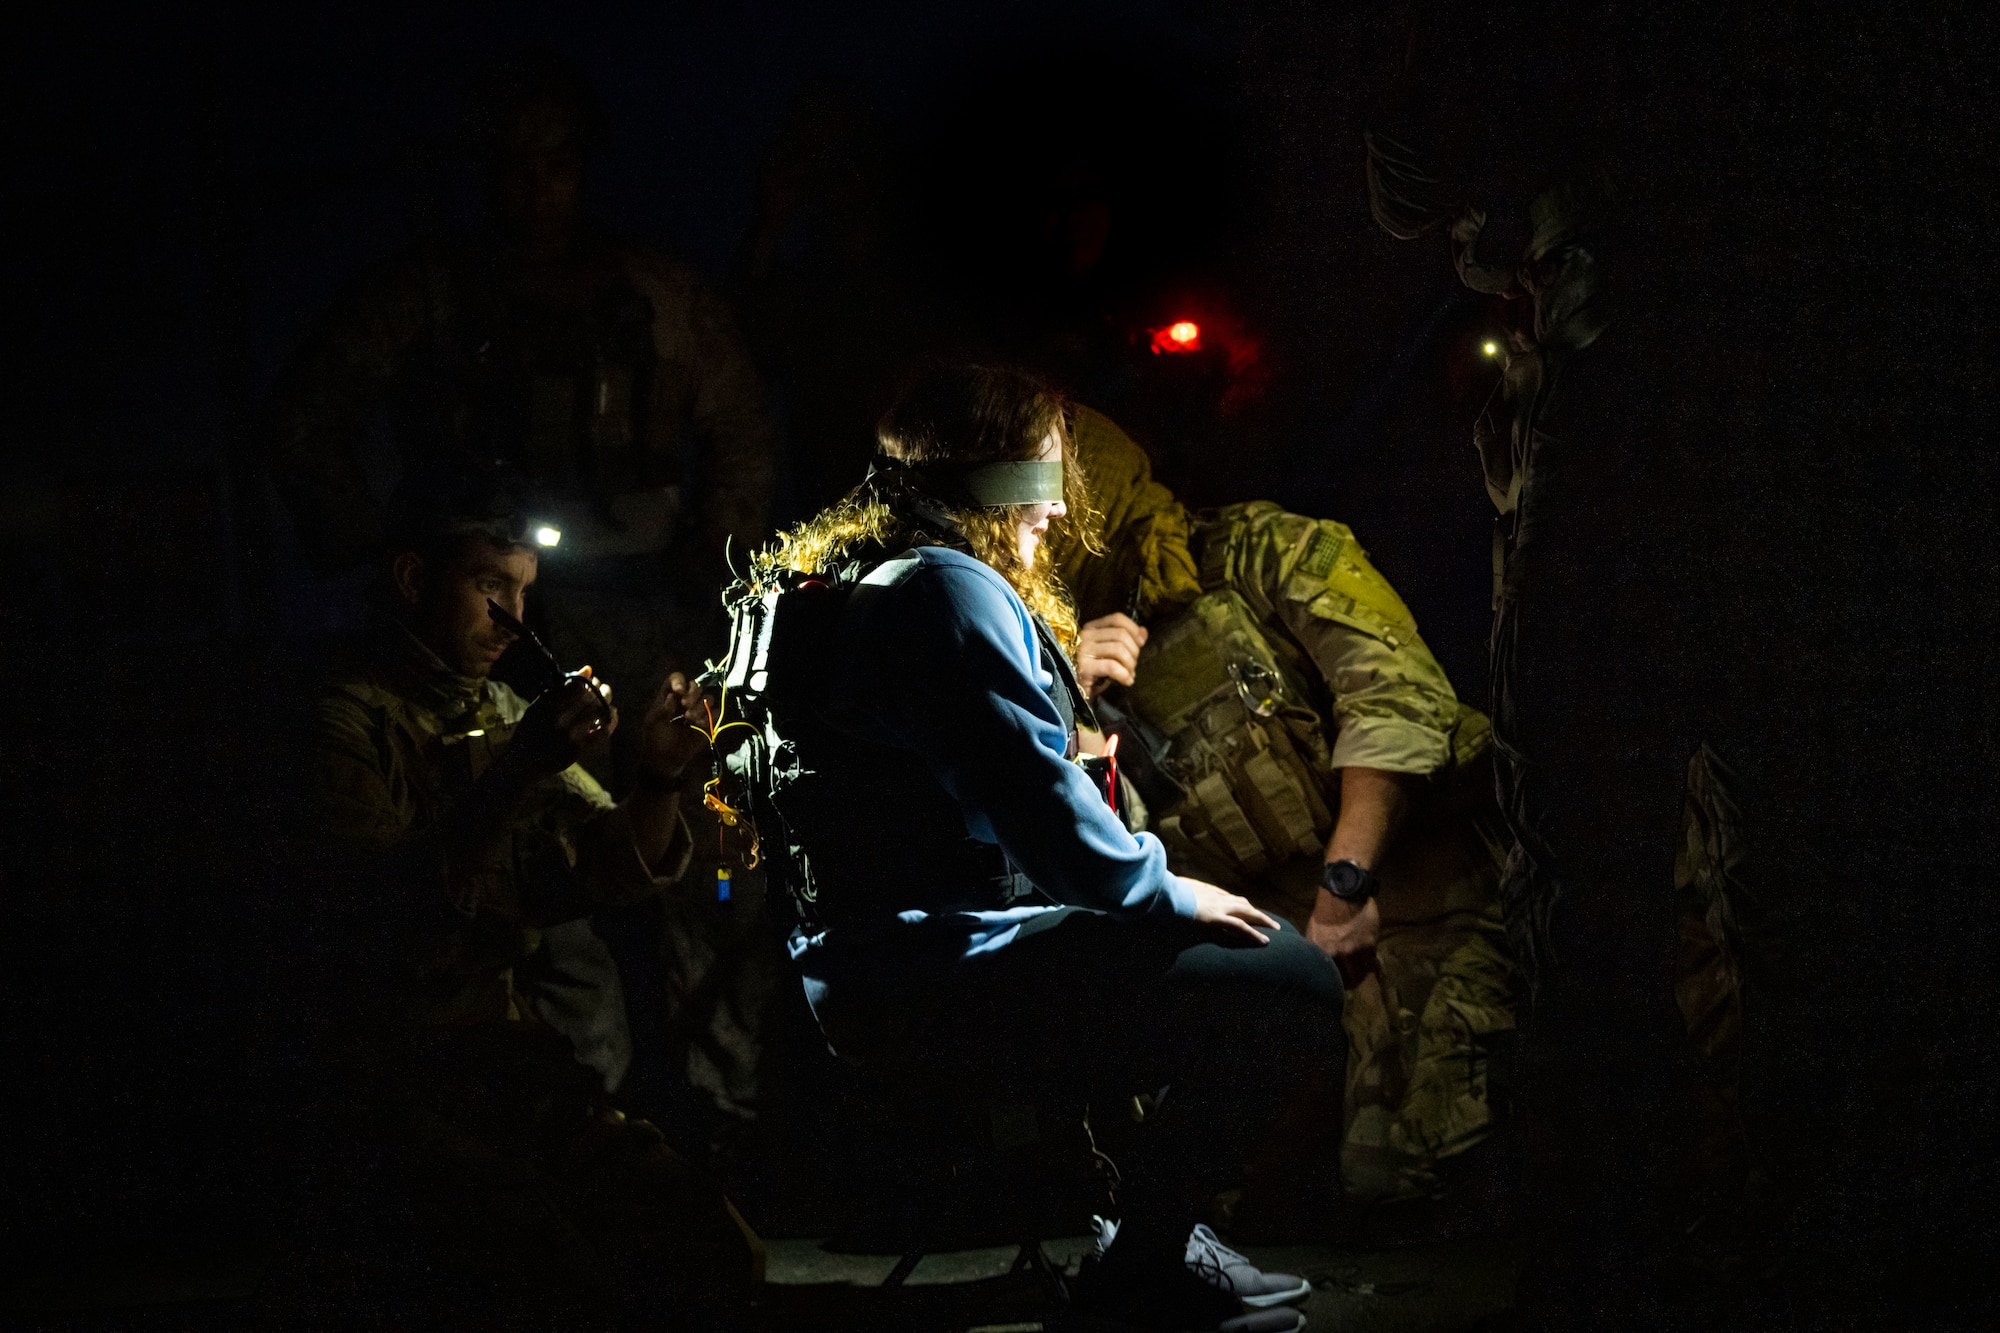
1237 916
671 740
1107 650
563 722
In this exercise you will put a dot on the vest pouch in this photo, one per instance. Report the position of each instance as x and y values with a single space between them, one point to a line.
1211 683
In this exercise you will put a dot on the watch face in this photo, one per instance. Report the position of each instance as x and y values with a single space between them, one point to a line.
1345 879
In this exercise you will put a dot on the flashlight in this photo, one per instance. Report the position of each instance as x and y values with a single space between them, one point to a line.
547 536
1489 347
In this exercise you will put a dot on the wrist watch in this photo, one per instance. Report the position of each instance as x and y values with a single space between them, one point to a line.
1349 881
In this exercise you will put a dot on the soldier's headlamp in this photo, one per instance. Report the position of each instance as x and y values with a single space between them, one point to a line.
441 502
508 530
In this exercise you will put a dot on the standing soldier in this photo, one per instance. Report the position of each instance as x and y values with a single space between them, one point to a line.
1311 755
1561 182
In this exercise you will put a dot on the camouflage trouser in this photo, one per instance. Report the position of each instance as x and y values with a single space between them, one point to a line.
1730 956
720 961
725 966
1424 1025
1422 1031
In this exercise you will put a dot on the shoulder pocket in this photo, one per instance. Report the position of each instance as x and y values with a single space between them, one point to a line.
1353 593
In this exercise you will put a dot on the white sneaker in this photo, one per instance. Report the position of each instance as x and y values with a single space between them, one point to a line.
1226 1270
1220 1267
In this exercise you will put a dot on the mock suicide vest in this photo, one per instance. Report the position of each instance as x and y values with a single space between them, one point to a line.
820 793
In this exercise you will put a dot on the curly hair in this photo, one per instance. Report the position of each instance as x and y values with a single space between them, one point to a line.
964 415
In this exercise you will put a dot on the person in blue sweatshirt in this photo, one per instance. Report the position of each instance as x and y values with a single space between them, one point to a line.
967 899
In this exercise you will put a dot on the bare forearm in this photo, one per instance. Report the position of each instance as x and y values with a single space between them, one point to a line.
1373 803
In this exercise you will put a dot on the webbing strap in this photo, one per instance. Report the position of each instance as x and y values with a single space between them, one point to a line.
1285 801
1228 819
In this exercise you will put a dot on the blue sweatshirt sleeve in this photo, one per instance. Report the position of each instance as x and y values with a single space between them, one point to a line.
961 651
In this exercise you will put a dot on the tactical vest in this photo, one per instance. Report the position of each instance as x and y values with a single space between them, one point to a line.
1240 736
847 822
1239 712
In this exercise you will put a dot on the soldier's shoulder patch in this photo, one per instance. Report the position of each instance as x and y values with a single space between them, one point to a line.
1322 553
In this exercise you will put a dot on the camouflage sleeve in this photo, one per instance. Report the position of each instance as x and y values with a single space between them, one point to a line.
608 865
364 815
1394 708
318 413
369 819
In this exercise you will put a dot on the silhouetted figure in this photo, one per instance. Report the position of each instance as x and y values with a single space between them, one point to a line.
832 285
1508 131
606 371
610 375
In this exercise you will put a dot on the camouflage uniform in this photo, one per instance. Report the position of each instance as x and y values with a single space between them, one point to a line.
518 1173
1255 611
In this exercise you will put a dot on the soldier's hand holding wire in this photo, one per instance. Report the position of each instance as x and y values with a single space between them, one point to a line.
1107 650
675 732
563 722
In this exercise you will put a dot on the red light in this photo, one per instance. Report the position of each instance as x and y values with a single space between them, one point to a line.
1182 335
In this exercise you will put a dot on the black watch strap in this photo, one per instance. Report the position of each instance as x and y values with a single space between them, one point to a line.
1349 881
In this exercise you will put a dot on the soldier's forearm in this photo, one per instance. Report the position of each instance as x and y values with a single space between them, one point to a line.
656 817
1373 803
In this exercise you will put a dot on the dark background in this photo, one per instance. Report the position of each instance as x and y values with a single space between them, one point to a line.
188 190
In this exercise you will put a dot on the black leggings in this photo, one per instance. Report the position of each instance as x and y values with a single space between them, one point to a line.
1083 1001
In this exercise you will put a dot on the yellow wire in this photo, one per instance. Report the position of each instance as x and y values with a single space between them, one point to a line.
722 704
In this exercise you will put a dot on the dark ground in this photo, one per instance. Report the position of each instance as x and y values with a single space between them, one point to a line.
1434 1289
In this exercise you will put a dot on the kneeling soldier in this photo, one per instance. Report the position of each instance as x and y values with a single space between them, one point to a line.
461 833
